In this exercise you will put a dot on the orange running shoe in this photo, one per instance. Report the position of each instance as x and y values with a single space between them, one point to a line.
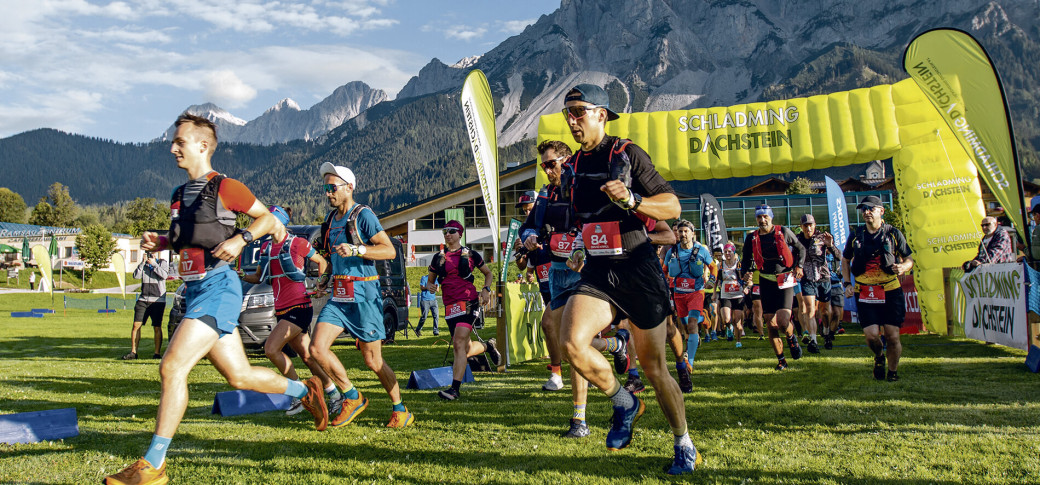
139 473
314 402
400 419
351 409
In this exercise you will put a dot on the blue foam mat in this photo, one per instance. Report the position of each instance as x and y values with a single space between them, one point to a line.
35 426
435 377
234 403
26 315
1033 358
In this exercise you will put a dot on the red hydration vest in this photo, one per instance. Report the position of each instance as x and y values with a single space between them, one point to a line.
781 248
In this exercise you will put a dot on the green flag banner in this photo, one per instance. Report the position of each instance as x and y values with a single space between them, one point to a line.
479 110
514 226
522 309
958 78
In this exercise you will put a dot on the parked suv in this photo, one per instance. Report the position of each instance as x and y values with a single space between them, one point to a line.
257 319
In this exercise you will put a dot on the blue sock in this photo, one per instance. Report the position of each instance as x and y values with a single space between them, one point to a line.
351 393
691 345
399 406
156 453
634 372
295 389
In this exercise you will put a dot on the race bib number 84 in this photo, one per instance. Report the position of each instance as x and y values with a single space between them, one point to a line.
602 238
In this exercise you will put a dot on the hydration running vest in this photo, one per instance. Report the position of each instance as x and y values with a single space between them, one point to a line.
886 251
352 233
782 249
289 269
619 168
464 269
197 225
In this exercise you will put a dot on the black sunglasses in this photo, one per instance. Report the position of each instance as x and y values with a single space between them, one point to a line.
450 230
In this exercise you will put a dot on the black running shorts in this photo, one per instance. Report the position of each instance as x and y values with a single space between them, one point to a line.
773 298
297 315
144 310
633 286
891 312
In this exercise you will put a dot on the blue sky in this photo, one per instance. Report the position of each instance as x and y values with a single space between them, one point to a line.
123 70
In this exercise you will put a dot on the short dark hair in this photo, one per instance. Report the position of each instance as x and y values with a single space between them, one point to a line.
557 146
199 122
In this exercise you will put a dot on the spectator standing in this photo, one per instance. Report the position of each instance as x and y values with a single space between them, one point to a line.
995 246
151 303
427 304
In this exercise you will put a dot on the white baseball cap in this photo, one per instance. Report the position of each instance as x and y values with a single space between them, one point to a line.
339 171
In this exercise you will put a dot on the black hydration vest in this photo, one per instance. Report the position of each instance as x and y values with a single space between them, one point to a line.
887 251
197 225
619 167
439 264
554 215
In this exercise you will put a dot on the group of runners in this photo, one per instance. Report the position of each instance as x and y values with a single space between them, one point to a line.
593 238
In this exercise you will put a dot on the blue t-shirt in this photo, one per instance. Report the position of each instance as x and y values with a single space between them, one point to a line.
426 295
683 263
367 227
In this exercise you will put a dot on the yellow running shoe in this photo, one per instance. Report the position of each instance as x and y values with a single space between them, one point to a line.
351 409
139 473
400 419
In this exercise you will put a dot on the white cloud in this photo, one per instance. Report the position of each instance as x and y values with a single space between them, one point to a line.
226 89
513 27
464 33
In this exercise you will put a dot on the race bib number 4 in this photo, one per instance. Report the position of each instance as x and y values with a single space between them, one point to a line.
543 272
871 294
193 264
602 238
685 285
343 290
456 309
785 281
561 245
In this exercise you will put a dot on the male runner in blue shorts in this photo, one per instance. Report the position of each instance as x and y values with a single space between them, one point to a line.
354 239
202 231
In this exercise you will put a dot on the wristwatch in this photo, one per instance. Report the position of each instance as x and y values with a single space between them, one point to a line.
361 249
246 236
486 288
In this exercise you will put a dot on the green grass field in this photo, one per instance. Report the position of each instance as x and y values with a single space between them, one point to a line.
962 413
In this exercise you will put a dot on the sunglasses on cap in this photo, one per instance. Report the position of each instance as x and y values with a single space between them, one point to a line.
578 112
450 230
328 188
551 164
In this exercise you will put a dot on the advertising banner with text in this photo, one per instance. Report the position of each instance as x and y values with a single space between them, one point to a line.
995 304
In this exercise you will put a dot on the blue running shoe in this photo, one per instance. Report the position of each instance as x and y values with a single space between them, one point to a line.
623 423
686 460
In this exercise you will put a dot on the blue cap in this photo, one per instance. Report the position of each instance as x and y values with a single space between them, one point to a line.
763 210
281 214
594 95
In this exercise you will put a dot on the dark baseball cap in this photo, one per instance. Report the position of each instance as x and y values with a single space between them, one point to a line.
592 94
808 219
869 202
527 198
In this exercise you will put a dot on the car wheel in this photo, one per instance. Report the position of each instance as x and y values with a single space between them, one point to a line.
390 325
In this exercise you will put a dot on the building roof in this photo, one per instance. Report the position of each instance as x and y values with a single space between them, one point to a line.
769 186
12 229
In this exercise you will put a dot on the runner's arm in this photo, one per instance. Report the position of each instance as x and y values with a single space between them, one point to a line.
262 225
253 278
487 285
662 235
379 248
